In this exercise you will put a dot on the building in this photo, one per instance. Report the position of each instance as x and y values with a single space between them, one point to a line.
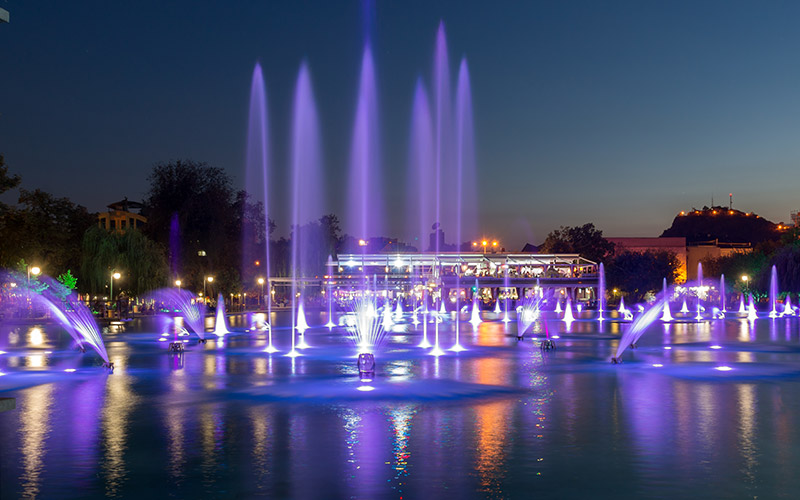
705 250
120 217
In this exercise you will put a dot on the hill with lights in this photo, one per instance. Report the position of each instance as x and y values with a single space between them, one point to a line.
724 225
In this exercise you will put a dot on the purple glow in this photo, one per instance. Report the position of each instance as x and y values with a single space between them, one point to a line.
184 303
306 167
421 206
366 199
73 315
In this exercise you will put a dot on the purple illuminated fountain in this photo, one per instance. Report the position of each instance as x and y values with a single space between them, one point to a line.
601 291
258 174
306 194
185 304
773 293
221 322
73 315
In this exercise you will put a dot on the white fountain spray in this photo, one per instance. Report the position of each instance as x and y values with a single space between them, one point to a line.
568 317
220 328
751 310
773 293
666 316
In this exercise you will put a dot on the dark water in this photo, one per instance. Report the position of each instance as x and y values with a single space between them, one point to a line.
500 420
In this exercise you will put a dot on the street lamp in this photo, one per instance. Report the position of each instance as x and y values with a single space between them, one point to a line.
114 276
260 282
178 284
208 279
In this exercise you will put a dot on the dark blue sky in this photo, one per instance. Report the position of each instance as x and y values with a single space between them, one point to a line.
619 113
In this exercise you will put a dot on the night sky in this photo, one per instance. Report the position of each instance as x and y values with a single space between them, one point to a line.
619 114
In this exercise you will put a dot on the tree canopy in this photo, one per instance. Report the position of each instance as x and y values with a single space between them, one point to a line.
636 274
585 240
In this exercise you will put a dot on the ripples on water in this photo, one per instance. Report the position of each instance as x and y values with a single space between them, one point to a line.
503 419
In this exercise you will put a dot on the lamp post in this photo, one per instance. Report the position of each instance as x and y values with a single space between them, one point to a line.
260 282
208 279
178 284
114 276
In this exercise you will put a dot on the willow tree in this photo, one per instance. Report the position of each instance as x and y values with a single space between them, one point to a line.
139 260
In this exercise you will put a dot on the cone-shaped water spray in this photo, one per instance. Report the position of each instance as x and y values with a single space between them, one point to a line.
220 325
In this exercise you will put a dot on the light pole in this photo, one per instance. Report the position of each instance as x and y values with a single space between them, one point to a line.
208 279
114 276
178 284
260 282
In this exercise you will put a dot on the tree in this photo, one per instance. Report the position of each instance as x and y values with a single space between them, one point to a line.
45 230
585 240
6 182
636 274
202 199
140 260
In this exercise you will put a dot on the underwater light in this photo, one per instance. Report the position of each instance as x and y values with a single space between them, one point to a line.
723 368
69 370
365 388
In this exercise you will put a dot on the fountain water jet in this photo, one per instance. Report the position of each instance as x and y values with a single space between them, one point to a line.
773 293
666 316
220 325
306 196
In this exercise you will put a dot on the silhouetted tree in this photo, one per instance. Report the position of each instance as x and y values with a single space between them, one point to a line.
637 273
585 240
45 230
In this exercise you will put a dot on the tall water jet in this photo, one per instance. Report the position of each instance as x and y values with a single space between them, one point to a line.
497 306
722 293
398 311
666 316
425 342
220 325
365 197
421 207
558 309
699 316
329 296
684 307
505 284
465 165
742 309
257 168
773 293
601 292
305 169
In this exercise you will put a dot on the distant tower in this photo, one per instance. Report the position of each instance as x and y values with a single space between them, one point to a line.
730 198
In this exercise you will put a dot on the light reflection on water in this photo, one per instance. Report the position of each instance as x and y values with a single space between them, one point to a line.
180 421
